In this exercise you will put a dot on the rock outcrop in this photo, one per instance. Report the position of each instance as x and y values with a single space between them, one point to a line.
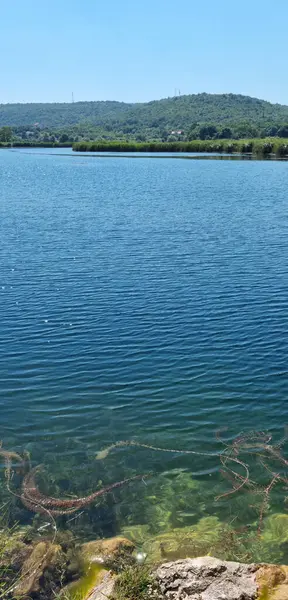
207 578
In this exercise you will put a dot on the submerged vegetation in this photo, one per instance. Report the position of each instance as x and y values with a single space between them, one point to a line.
172 515
257 147
174 519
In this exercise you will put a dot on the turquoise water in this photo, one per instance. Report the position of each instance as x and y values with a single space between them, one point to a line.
140 300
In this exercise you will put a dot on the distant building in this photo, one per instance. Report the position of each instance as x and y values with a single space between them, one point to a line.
177 132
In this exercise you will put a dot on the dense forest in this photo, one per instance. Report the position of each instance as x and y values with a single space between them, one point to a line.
181 118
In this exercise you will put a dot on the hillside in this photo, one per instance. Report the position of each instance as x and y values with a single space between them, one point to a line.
58 115
245 116
179 111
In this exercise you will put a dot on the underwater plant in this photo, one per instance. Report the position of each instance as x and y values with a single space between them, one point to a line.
105 451
252 463
33 499
173 513
9 459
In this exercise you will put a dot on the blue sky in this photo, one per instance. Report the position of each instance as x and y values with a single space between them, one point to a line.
142 50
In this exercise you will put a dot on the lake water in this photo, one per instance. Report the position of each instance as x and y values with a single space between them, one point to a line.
142 300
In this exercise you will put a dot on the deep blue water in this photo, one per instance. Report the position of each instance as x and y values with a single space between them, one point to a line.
141 299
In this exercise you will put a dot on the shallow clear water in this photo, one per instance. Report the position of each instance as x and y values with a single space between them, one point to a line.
140 300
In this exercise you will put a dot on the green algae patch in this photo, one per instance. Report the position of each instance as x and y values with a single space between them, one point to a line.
93 576
95 557
210 536
272 581
276 529
185 542
138 534
180 542
167 502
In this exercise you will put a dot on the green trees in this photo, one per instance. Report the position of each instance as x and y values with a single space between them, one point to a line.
64 138
5 134
283 131
207 132
225 133
200 116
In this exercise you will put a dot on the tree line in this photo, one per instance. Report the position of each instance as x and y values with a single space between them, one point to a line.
20 135
200 116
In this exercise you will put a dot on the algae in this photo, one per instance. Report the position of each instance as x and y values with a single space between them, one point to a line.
162 502
184 542
272 581
275 529
79 590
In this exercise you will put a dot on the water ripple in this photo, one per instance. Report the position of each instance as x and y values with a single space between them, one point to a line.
142 298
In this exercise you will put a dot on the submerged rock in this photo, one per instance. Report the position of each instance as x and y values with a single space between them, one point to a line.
101 551
13 548
207 578
45 559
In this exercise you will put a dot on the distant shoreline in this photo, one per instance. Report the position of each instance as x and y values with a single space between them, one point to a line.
255 147
273 148
154 155
6 145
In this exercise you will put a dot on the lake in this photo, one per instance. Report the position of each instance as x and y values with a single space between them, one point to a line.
144 300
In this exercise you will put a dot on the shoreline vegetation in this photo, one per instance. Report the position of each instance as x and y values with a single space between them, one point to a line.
256 147
33 144
261 148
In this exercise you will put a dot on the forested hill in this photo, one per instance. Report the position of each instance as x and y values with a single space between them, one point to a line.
61 115
201 116
178 112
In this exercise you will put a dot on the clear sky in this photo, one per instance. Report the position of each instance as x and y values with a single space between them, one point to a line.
142 50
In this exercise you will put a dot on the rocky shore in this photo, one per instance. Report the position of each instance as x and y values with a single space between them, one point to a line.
207 578
112 568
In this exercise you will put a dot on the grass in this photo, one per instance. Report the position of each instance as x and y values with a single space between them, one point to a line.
10 548
135 583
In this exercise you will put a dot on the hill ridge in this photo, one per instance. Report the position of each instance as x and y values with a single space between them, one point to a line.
122 102
155 119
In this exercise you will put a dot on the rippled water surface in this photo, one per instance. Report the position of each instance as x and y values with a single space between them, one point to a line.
140 300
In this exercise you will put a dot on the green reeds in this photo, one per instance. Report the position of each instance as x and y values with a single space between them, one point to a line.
257 147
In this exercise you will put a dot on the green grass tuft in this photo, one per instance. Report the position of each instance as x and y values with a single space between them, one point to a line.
135 583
